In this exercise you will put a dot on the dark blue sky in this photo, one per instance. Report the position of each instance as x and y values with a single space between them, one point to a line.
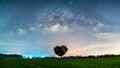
35 27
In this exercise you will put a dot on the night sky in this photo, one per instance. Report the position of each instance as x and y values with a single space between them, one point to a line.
35 27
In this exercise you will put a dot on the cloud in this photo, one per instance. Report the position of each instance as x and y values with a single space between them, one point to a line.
56 28
21 31
111 47
106 36
59 19
18 32
15 46
97 28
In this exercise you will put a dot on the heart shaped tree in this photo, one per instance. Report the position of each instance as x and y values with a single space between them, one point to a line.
60 50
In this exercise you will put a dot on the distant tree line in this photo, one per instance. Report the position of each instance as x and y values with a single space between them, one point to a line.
11 55
65 57
93 56
90 56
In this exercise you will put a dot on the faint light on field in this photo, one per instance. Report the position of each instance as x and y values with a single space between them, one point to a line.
28 57
43 56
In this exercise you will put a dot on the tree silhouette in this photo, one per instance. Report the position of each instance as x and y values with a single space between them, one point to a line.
60 50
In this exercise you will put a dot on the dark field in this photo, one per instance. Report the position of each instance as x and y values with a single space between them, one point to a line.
60 63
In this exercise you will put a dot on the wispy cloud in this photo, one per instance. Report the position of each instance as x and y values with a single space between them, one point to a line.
111 47
107 36
56 28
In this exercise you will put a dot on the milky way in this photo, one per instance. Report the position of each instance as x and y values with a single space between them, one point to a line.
36 27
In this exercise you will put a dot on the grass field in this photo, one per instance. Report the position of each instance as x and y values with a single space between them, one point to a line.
60 63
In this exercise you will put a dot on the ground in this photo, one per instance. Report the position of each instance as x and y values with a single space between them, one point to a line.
113 62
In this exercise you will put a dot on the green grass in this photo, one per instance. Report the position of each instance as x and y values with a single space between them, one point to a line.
60 63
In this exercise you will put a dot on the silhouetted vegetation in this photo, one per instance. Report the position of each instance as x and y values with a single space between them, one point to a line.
11 55
60 50
80 57
65 57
